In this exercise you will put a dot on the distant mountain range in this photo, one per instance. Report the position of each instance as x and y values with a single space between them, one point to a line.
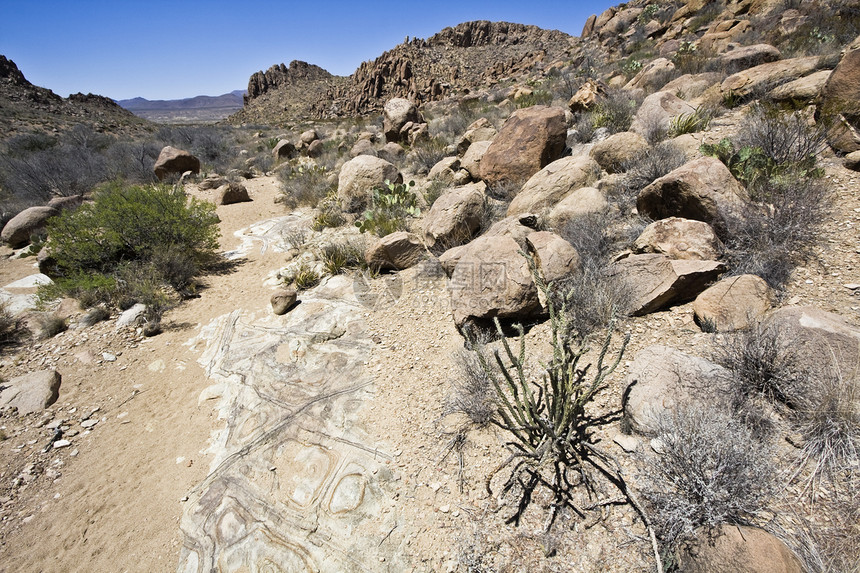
194 109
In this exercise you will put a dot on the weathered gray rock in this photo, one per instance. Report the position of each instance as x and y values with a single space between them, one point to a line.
132 316
391 152
818 339
692 85
492 279
31 392
766 76
841 92
801 90
396 113
69 203
233 193
471 160
738 549
359 176
552 183
555 257
733 303
852 161
656 113
680 239
212 182
308 136
284 150
480 130
16 233
656 281
585 201
283 300
397 251
703 189
363 147
172 161
617 149
315 148
529 140
455 216
749 56
445 170
661 380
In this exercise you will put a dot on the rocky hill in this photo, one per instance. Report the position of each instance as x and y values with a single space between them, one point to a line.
25 108
457 60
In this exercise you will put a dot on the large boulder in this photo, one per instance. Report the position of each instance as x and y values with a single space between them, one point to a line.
680 239
552 183
172 161
749 56
284 150
396 251
518 227
585 201
455 216
492 279
817 338
738 549
617 149
555 257
765 77
359 176
585 97
655 281
446 170
529 140
733 303
801 90
471 160
841 92
397 113
656 113
652 76
232 193
660 380
703 189
16 233
480 130
31 392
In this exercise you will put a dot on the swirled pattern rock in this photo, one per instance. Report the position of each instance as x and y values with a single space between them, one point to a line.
296 485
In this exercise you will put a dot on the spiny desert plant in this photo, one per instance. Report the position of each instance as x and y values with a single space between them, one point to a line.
711 471
306 277
389 208
697 120
341 256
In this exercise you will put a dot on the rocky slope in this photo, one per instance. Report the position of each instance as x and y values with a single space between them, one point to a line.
25 108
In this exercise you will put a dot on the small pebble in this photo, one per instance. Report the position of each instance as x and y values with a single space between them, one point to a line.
62 444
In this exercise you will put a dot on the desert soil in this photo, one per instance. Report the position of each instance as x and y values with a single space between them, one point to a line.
112 500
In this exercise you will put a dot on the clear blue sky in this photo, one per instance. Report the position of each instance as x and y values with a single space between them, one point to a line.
181 48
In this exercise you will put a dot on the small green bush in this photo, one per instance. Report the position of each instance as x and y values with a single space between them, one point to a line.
129 244
389 208
306 277
692 122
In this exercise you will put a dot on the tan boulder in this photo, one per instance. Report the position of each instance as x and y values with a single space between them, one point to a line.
765 77
359 176
284 150
552 183
455 216
16 232
555 257
308 136
801 90
817 338
657 111
529 140
585 97
617 149
722 34
471 160
315 148
841 92
585 201
652 76
362 147
733 303
739 549
679 238
703 189
397 251
391 152
67 203
480 130
449 259
444 170
749 56
518 227
31 392
692 85
396 113
492 279
852 161
656 281
175 161
233 193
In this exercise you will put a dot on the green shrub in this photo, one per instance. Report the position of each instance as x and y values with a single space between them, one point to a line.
389 208
130 243
692 122
306 277
341 256
304 185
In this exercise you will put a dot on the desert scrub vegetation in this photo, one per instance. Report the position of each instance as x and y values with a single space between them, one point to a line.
775 157
711 471
304 185
341 256
131 243
390 208
9 327
645 168
614 111
426 153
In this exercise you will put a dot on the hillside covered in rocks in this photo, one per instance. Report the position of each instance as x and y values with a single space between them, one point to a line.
503 300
